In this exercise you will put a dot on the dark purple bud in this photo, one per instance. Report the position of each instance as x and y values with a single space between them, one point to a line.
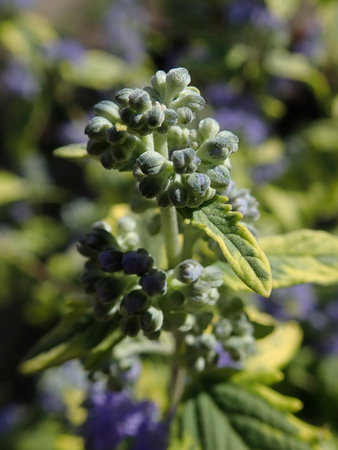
137 262
135 302
155 282
110 260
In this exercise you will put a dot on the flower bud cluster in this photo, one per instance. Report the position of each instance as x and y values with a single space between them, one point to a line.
242 201
232 331
198 159
124 280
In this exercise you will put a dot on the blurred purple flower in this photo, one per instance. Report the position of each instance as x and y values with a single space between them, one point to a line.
265 173
115 416
237 112
224 358
64 49
125 22
296 302
73 132
21 212
242 12
17 3
17 80
10 416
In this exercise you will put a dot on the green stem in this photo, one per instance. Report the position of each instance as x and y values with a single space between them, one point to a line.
170 234
161 144
177 379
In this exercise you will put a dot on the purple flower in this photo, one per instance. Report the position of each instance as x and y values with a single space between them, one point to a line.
268 172
65 49
114 417
253 12
18 80
10 416
296 302
124 24
72 132
224 359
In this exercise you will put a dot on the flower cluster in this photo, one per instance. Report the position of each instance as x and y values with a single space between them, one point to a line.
196 163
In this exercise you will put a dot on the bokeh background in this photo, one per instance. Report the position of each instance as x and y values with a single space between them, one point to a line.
269 73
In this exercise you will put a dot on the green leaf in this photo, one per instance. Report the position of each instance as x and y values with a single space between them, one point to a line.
238 245
74 337
72 151
303 256
227 416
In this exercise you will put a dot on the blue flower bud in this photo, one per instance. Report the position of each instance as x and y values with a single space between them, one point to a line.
154 117
122 97
158 82
219 176
96 128
107 160
185 160
150 163
151 186
139 100
151 320
130 325
89 280
177 80
115 136
198 183
178 194
94 242
137 262
134 303
110 260
107 109
185 115
163 199
95 148
154 282
207 129
188 271
109 289
170 117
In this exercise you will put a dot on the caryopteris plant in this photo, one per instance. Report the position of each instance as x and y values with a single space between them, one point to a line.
163 278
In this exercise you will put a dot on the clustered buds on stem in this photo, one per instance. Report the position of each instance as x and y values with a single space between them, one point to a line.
150 132
123 135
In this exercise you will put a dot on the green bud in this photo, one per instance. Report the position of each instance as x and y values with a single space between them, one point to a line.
170 117
185 160
107 109
163 199
107 160
120 153
185 115
176 319
154 117
127 115
115 136
178 137
122 97
213 275
95 148
139 100
219 176
188 271
222 329
154 95
230 140
207 129
158 81
137 121
177 80
198 183
130 325
151 320
150 163
96 128
178 194
213 151
154 225
150 186
175 300
190 99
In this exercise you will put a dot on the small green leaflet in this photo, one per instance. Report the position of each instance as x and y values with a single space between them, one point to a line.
228 417
238 245
72 151
77 335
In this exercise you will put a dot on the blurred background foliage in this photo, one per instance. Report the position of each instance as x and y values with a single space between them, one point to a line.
269 72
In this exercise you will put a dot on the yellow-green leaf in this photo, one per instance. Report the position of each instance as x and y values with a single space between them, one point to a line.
72 151
238 245
303 256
